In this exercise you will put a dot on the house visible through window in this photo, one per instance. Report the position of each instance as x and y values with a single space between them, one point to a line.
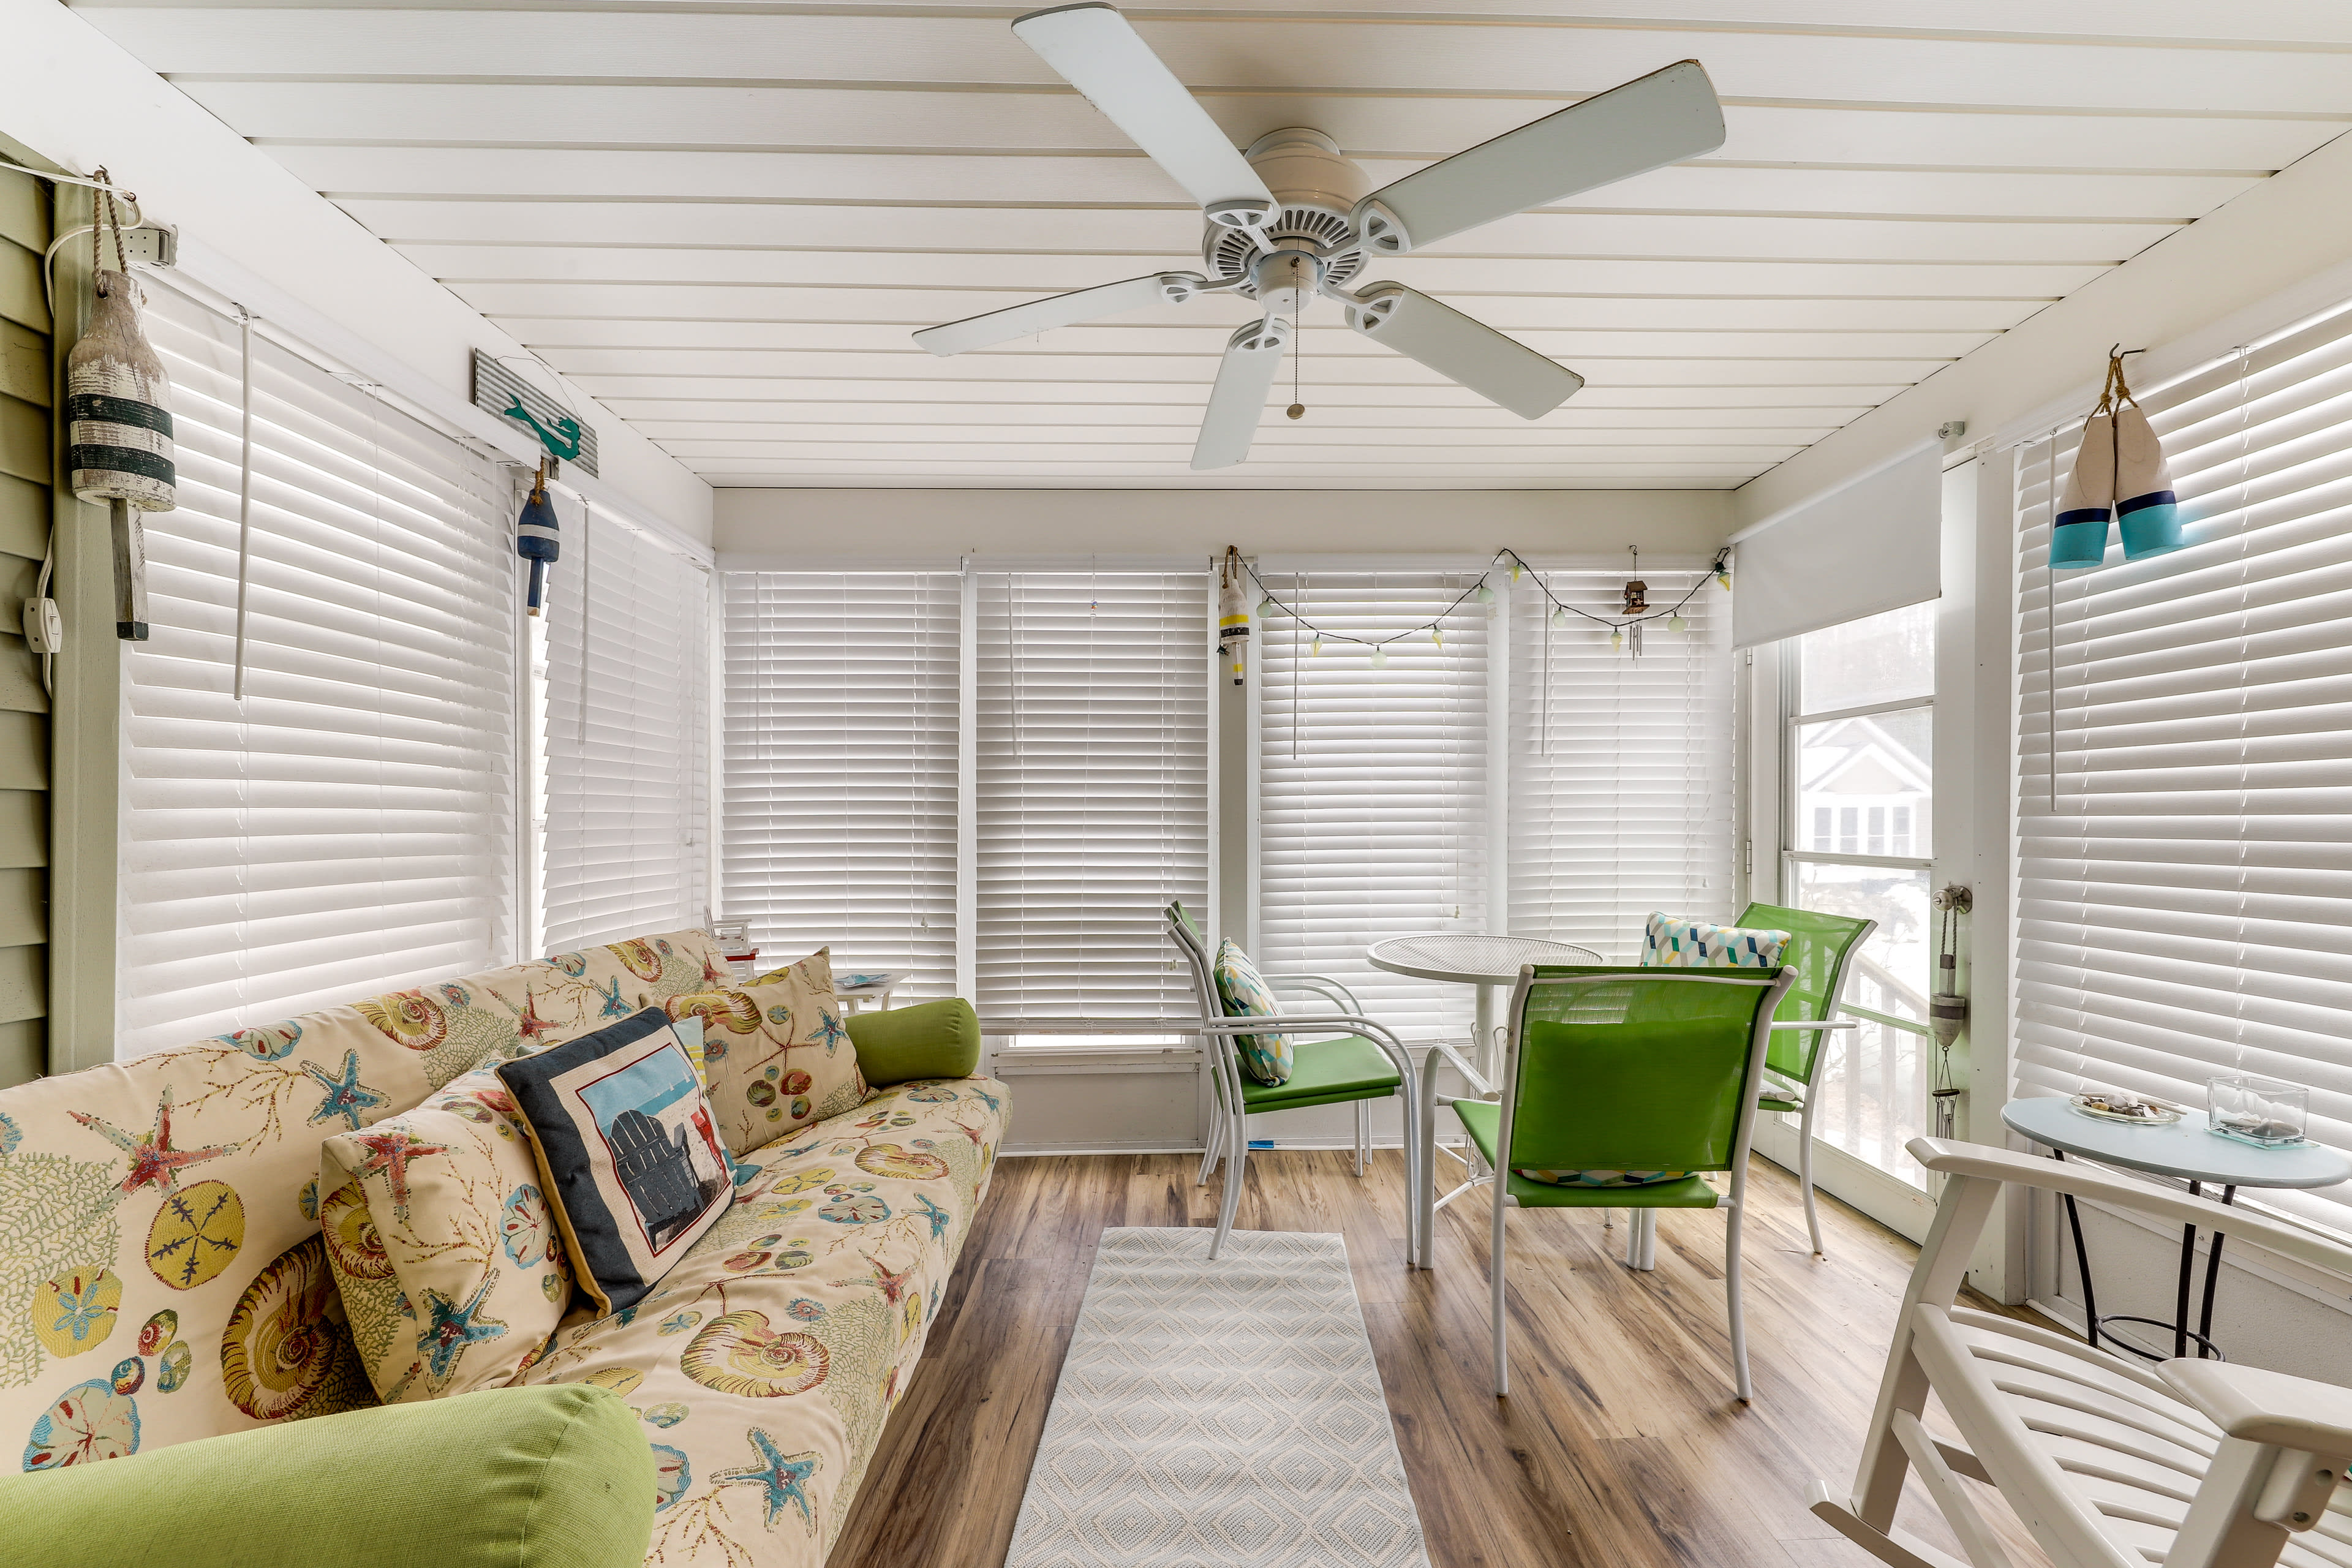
1861 709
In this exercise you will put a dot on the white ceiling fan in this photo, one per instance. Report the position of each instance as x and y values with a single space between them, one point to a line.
1291 219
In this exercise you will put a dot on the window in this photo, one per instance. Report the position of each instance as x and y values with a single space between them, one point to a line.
1091 747
627 723
1372 806
1621 774
349 826
2185 826
1079 700
1857 739
840 792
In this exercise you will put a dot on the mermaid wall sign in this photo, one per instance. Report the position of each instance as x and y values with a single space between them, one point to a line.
561 434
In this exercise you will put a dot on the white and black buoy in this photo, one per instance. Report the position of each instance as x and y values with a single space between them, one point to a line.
120 436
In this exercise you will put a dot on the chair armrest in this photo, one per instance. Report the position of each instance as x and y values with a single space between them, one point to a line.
1820 1024
1323 984
2262 1406
1440 1050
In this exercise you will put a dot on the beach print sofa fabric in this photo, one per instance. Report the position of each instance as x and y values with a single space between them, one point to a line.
140 1307
764 1364
163 1272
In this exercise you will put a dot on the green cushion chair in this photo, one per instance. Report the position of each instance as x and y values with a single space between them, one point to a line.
1622 1069
1820 950
1358 1061
555 1477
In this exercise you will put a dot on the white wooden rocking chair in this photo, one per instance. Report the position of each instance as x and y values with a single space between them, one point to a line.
2108 1464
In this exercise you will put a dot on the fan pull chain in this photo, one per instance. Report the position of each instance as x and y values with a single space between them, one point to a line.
1298 346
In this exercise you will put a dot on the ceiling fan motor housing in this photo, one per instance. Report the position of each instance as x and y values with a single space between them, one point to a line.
1314 187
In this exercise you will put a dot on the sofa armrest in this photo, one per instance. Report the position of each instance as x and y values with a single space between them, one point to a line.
930 1039
557 1477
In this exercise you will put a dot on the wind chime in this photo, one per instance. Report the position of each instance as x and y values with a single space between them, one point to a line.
1947 1010
119 430
1234 611
537 537
2120 473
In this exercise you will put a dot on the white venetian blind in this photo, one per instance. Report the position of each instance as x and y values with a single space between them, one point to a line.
628 653
348 826
1371 785
1620 767
840 793
2185 757
1091 809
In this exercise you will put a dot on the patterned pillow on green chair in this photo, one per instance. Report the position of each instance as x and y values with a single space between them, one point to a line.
1675 944
1600 1178
1246 994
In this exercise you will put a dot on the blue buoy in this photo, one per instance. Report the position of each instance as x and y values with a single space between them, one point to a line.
537 539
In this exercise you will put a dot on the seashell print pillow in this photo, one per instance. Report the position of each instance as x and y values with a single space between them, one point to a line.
441 1241
775 1056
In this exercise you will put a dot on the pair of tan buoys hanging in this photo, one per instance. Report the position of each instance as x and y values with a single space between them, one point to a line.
2120 473
120 422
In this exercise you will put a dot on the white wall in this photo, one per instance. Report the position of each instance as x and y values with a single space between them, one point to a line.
254 232
939 524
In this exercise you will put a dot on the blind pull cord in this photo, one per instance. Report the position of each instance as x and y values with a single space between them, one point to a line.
244 488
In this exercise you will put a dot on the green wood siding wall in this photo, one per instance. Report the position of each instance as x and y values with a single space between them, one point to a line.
26 503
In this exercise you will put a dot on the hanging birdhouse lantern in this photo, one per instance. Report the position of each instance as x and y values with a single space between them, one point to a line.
1233 612
119 430
537 538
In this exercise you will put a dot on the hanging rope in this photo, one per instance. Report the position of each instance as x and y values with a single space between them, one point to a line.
1720 569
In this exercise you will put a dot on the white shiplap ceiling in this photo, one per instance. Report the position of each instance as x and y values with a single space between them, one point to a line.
723 219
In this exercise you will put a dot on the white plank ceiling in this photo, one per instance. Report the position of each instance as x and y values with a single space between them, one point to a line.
723 218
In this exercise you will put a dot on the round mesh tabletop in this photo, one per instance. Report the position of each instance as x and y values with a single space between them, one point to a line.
1471 960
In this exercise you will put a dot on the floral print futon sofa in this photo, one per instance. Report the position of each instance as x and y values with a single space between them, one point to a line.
163 1277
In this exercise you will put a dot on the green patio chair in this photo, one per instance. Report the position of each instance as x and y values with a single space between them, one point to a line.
1621 1069
1358 1061
1819 951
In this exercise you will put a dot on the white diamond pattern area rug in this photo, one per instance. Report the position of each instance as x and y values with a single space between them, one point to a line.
1215 1414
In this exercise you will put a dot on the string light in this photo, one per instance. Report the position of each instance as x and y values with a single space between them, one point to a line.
1482 592
1315 649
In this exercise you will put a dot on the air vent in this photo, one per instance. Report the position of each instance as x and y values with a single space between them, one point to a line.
1228 253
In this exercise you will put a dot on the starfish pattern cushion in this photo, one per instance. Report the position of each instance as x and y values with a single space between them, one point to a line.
628 1153
442 1244
775 1053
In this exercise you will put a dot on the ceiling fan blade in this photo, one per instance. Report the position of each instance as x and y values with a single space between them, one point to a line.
1497 368
1244 378
1647 123
1060 311
1099 53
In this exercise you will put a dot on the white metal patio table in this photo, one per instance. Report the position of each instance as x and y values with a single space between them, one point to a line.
1484 962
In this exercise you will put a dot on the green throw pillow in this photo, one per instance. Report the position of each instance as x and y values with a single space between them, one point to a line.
1246 994
932 1039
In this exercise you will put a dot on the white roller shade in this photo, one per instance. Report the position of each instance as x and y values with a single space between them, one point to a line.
1620 772
2185 757
840 788
627 848
1092 777
1869 545
1371 807
349 827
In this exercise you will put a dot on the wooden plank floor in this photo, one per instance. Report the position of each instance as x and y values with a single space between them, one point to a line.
1620 1445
